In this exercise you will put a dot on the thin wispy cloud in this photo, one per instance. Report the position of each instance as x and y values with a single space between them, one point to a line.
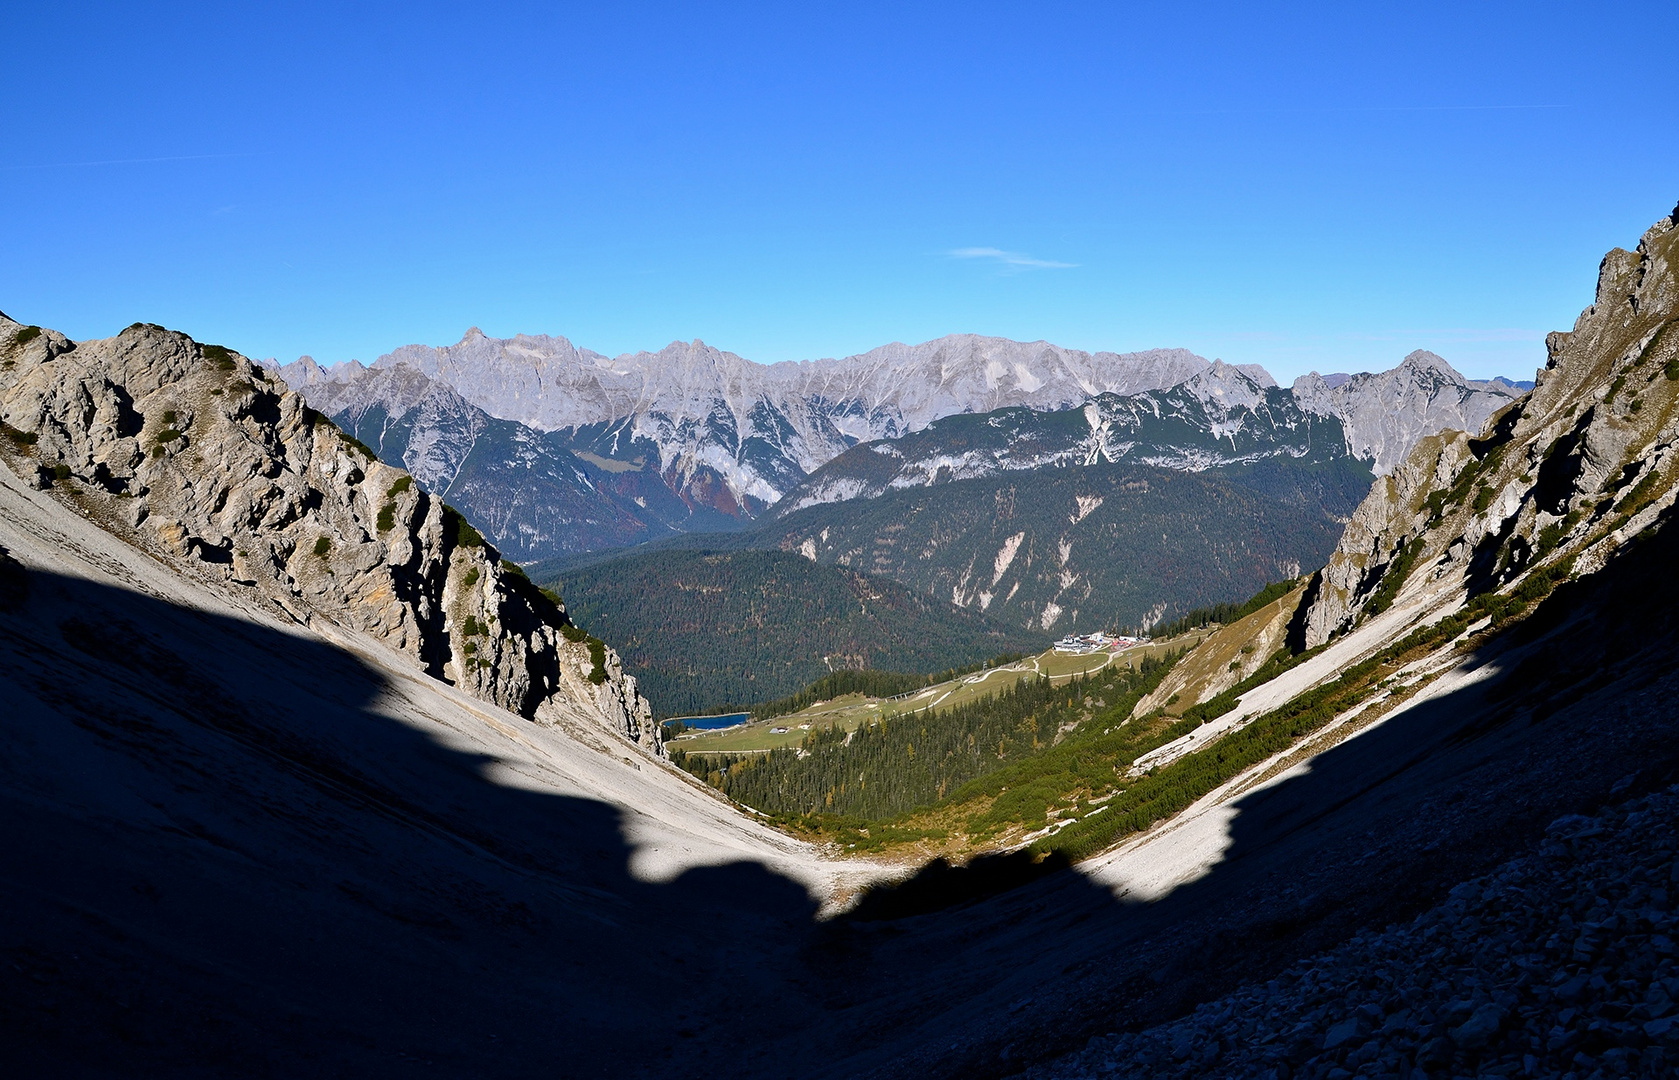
1012 259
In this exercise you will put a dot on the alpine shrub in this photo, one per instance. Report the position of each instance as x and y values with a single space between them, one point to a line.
460 529
219 357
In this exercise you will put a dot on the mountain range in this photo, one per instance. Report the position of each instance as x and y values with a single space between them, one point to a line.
1217 417
738 435
557 450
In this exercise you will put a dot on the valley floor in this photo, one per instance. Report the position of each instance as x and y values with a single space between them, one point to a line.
850 710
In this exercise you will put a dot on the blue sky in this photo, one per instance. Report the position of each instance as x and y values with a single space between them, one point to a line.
1300 186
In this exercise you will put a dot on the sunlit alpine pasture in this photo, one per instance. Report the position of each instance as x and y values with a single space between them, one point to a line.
849 711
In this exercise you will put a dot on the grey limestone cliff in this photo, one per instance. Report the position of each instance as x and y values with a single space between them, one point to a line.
1561 478
200 456
1386 413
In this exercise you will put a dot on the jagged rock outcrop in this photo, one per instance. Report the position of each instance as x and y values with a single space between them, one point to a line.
1570 472
1386 413
1375 538
202 457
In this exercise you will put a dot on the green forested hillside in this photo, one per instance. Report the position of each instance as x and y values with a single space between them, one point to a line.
707 630
915 760
1040 756
1099 547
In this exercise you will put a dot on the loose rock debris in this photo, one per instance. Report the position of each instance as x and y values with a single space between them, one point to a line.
1559 964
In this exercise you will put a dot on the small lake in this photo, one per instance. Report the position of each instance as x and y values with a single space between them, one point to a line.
711 723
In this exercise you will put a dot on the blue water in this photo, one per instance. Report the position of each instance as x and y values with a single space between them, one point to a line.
711 723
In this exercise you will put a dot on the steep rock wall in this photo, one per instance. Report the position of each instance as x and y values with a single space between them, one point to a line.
203 458
1573 471
1375 538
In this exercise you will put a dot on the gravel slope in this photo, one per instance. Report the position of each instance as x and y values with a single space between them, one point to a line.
1559 963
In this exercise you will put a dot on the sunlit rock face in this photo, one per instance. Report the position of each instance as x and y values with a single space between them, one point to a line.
1571 470
215 466
1389 412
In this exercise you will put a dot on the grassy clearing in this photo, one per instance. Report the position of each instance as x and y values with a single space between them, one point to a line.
848 711
967 776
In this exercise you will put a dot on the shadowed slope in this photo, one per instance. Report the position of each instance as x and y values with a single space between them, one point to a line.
227 848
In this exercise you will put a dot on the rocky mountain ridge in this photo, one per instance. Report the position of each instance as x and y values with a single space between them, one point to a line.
1386 413
747 433
695 439
1574 471
1217 417
199 456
